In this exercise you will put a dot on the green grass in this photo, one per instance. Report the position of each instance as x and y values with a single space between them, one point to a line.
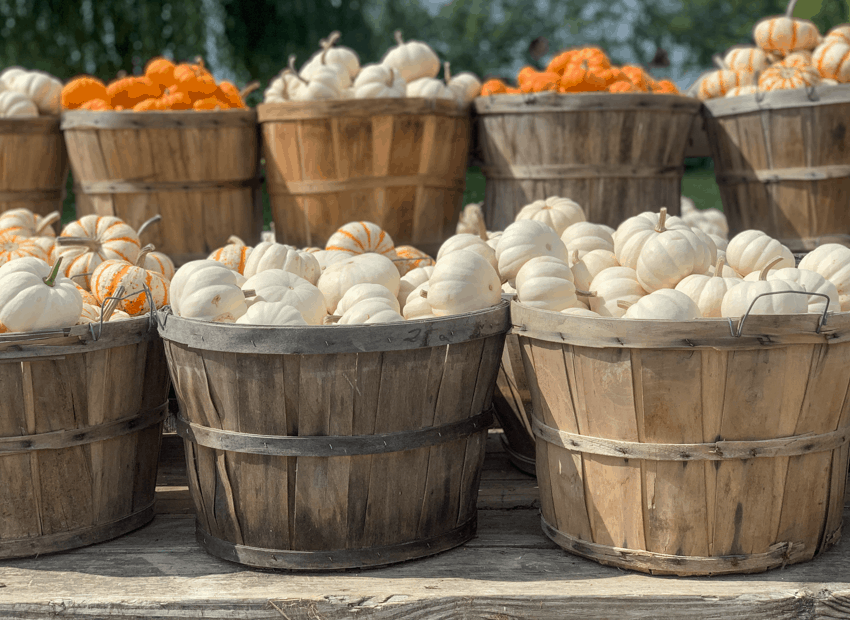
700 186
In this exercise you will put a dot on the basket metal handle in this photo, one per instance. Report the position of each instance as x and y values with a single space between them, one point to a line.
821 321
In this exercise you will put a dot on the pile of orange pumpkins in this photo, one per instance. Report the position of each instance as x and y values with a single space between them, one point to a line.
789 53
95 270
580 71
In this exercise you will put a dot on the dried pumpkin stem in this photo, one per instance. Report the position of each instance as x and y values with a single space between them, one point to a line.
328 43
580 293
625 305
789 12
662 219
234 240
143 254
249 292
91 244
574 257
331 319
447 74
423 293
50 280
294 70
766 270
156 218
397 36
718 269
249 88
391 80
719 62
112 304
46 221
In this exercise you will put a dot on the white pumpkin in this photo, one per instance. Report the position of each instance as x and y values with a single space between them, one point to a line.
832 261
429 88
466 87
709 243
708 291
234 255
471 243
44 90
746 59
270 255
737 301
206 290
342 57
471 221
524 240
579 311
16 105
669 257
36 296
751 250
341 276
280 286
413 59
664 304
462 281
546 283
367 290
271 313
588 266
633 234
811 282
411 280
370 311
585 237
558 213
721 243
611 286
379 82
324 82
283 88
416 305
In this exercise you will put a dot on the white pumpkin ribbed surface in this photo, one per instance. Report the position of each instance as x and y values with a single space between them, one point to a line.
832 261
411 280
341 276
370 311
276 285
271 313
789 301
556 212
633 234
584 237
546 283
206 290
668 257
462 281
665 304
367 290
589 265
524 240
751 250
471 243
612 285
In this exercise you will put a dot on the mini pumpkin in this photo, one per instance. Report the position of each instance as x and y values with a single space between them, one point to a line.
462 281
832 59
129 91
278 286
16 105
524 240
747 59
411 280
369 312
330 55
379 82
364 291
35 296
137 282
589 265
92 239
413 59
410 258
783 76
785 34
633 234
341 276
584 237
234 255
207 290
831 261
431 88
470 243
270 255
751 250
664 304
13 247
708 291
611 286
44 90
82 89
556 212
271 313
361 238
546 283
738 300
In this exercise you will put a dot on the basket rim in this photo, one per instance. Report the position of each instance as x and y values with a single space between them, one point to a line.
157 119
331 108
584 102
334 339
802 98
760 331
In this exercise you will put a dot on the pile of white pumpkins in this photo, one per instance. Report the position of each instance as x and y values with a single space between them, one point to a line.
409 69
655 266
29 94
96 270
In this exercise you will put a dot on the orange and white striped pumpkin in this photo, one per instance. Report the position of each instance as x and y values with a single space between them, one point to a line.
361 238
111 274
12 247
800 58
718 83
839 33
91 314
746 59
25 223
100 238
88 298
785 34
781 76
157 261
832 59
749 89
234 255
411 258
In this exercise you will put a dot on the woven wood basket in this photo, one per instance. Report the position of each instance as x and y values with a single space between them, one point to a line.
326 448
782 163
199 170
400 163
33 165
617 155
681 449
80 430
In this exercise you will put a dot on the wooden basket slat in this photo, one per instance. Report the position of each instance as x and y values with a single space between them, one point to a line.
730 507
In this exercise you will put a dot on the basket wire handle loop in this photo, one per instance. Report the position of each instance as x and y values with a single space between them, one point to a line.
812 92
119 298
821 321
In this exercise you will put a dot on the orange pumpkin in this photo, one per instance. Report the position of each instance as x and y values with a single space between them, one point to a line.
541 82
194 80
783 76
623 86
513 91
160 71
129 91
525 75
638 77
177 100
210 103
82 89
594 57
228 93
560 62
96 105
149 105
665 87
493 87
581 79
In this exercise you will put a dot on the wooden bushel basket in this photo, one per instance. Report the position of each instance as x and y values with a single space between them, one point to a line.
687 449
400 163
199 170
326 448
33 165
782 162
80 429
617 155
512 404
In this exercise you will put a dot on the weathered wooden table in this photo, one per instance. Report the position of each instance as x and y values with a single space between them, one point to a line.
509 571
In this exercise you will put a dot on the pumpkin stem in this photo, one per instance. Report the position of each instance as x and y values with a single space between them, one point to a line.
200 62
143 254
662 219
574 257
447 75
766 270
294 70
249 292
397 36
423 293
719 62
234 240
331 319
50 280
391 79
112 304
249 88
580 293
91 244
789 12
625 305
156 218
274 233
328 43
46 221
718 269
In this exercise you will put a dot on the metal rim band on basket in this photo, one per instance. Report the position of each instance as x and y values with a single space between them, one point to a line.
581 171
330 446
716 451
779 554
57 440
336 559
145 187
